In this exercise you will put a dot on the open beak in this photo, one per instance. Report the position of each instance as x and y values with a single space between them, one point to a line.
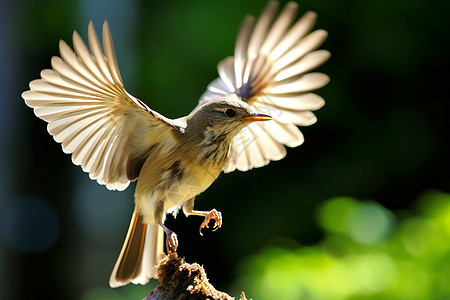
257 117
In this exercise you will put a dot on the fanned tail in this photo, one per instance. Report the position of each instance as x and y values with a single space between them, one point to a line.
140 253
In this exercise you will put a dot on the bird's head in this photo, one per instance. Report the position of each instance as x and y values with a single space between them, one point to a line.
224 115
212 126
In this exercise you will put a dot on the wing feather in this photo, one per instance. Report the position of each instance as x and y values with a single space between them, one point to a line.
90 113
307 63
271 71
226 72
240 54
111 55
279 27
306 83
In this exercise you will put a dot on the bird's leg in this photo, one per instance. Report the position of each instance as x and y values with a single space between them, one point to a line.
171 240
213 214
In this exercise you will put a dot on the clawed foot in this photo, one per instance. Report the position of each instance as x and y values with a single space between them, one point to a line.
213 214
171 240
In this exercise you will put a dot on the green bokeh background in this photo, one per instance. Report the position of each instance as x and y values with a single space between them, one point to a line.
357 212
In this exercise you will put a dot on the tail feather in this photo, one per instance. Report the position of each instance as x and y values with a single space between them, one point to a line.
140 253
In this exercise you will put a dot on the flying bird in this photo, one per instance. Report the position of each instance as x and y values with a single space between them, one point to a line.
244 120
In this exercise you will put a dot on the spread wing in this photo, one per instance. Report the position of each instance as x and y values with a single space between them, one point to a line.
108 132
271 71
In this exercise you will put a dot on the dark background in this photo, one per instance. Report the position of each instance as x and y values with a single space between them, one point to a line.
382 135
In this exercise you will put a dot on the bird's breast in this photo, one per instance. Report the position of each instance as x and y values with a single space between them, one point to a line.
168 180
184 180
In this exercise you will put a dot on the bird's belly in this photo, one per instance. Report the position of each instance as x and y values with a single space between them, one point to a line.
193 182
177 184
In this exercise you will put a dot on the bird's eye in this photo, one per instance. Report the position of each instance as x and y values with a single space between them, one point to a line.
230 113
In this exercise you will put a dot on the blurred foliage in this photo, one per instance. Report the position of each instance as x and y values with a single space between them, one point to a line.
366 253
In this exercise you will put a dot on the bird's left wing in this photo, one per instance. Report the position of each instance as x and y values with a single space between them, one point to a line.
271 71
109 132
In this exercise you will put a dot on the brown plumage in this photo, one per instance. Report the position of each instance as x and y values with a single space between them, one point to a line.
117 138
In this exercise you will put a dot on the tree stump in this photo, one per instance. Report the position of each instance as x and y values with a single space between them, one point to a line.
179 280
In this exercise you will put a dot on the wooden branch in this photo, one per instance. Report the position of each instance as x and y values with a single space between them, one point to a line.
179 280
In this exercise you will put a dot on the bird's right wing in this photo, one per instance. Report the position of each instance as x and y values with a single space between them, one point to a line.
108 132
271 71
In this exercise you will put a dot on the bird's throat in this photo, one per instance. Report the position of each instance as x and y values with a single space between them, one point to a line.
215 145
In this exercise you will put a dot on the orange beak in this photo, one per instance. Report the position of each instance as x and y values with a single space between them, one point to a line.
257 117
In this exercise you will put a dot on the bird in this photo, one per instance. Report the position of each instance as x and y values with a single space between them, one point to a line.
245 119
